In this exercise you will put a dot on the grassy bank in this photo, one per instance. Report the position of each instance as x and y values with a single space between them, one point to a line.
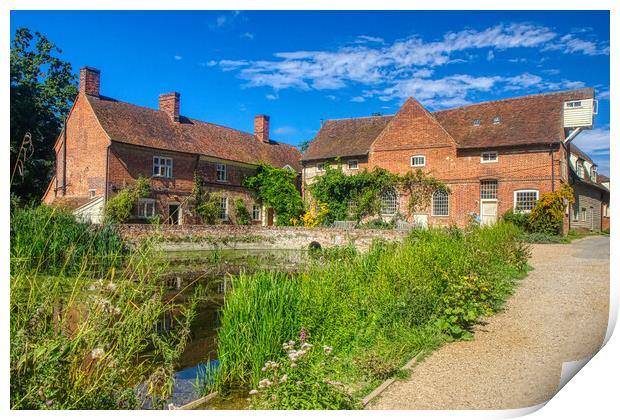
82 313
361 316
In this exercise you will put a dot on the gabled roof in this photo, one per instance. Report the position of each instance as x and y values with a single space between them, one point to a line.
600 178
574 150
523 121
345 137
140 126
72 202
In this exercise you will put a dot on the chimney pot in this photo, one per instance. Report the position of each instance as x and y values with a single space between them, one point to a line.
261 128
89 81
170 103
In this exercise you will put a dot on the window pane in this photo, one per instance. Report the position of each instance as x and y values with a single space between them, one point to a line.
389 202
488 190
440 203
525 200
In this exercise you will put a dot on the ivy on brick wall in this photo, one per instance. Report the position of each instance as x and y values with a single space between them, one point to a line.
276 188
356 196
118 209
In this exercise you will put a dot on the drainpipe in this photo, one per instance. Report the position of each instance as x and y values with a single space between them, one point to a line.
107 171
64 159
552 168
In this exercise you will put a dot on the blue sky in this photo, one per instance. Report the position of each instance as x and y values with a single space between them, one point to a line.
301 67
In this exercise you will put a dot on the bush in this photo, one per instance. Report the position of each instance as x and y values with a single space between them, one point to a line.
520 219
242 215
548 214
119 208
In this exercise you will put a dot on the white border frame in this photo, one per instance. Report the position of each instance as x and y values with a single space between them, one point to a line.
433 204
489 161
417 156
514 198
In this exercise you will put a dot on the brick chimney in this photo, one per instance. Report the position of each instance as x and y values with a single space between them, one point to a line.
89 81
261 128
170 104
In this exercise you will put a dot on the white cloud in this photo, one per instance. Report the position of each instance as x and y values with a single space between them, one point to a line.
362 39
178 57
358 99
603 94
271 96
248 35
331 97
405 67
285 130
224 21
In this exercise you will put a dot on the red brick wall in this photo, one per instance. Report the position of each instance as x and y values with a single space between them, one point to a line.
86 153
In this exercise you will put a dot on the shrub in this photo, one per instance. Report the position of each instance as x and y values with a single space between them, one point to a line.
277 187
313 217
520 219
119 208
548 214
242 215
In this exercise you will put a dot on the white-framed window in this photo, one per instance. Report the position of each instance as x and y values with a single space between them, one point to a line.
440 203
476 122
418 161
584 214
146 208
256 212
223 208
525 200
389 202
580 168
573 104
575 213
320 166
162 166
288 167
563 169
353 164
488 157
593 174
220 170
488 189
92 193
497 120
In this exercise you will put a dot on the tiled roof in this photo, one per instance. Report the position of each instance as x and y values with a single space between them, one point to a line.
345 137
132 124
72 202
534 119
580 153
600 178
525 120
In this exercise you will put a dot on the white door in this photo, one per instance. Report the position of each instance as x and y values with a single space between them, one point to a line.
420 220
488 212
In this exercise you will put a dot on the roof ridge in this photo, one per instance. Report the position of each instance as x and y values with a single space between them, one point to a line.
360 118
514 98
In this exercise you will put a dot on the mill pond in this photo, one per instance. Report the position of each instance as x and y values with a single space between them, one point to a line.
212 269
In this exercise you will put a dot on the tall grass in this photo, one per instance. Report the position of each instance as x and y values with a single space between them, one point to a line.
82 314
375 309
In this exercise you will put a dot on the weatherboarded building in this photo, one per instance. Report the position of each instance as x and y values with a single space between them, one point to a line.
494 156
107 144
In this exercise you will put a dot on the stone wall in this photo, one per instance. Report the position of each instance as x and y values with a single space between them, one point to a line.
199 237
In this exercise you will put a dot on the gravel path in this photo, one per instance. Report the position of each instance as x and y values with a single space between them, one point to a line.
558 313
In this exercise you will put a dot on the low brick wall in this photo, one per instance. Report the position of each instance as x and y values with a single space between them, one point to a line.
199 237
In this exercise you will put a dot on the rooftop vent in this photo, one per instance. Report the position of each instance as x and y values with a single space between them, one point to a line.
476 122
497 120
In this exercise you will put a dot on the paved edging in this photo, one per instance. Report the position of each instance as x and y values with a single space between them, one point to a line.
192 405
377 391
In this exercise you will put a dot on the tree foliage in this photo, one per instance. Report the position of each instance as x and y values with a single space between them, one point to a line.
42 90
548 214
277 188
207 203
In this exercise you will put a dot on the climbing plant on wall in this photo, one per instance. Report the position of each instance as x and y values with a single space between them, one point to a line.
277 188
207 204
548 214
118 209
354 197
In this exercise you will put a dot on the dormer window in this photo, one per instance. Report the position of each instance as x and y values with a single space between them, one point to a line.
476 122
418 161
593 174
580 168
221 172
497 120
162 167
573 104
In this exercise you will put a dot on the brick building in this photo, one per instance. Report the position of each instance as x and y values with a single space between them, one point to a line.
493 156
107 144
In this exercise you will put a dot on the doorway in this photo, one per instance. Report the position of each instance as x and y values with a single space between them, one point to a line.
488 212
174 214
270 216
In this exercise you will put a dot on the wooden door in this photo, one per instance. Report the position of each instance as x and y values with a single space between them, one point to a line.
488 212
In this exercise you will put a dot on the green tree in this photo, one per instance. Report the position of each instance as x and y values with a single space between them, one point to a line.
277 188
42 90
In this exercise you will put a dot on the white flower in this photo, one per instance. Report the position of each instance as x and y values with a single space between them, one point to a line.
97 353
111 286
293 365
284 378
291 343
306 346
264 383
264 368
253 392
171 406
327 349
